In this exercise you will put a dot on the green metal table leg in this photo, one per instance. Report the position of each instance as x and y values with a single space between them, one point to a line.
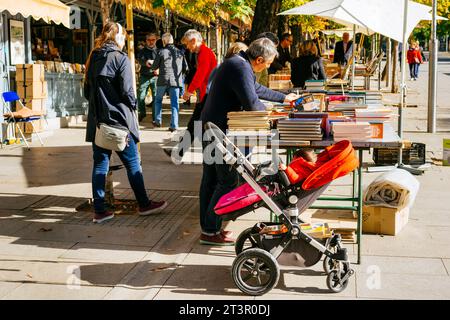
354 173
360 203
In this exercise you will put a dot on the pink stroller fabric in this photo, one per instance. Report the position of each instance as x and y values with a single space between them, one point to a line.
239 198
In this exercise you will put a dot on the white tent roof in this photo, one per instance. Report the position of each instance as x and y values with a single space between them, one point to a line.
380 16
48 10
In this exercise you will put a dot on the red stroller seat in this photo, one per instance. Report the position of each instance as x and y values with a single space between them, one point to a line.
335 161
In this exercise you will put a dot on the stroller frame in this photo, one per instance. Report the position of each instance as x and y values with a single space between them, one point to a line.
337 279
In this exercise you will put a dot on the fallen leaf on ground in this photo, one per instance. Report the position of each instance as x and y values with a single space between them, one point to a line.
45 229
29 275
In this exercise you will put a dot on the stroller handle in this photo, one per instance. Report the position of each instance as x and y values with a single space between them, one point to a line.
231 153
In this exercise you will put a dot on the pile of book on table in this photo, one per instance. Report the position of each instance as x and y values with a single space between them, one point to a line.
314 85
300 129
249 120
346 104
353 131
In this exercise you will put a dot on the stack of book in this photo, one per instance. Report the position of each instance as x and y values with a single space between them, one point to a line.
379 114
315 85
353 131
249 120
300 129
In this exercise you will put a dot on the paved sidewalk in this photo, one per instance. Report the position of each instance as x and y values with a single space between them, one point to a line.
48 250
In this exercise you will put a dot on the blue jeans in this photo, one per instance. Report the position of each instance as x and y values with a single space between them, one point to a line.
414 70
174 94
130 158
144 84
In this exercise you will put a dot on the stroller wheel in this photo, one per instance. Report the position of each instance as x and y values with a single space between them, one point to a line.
328 265
334 282
245 241
255 271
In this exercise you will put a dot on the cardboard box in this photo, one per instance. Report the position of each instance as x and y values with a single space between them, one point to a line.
32 89
383 220
446 152
36 105
30 72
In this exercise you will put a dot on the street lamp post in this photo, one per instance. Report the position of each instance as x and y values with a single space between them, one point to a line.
432 74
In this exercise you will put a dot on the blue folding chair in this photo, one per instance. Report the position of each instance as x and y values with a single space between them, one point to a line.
12 96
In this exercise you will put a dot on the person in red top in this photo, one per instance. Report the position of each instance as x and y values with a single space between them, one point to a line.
414 57
206 63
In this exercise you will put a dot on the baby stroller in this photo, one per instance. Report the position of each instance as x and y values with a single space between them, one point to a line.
263 247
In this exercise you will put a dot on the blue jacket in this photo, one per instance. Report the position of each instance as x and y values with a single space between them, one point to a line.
234 88
109 89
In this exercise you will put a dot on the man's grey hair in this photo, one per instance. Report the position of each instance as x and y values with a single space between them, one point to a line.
262 47
167 38
191 34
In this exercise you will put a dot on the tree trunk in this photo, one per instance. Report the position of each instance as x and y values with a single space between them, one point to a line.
394 88
298 37
265 18
105 6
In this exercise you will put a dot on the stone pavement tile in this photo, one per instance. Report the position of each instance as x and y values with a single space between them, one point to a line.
401 265
274 296
201 277
32 291
213 258
310 282
447 265
429 217
15 201
404 286
439 233
33 248
404 247
91 233
60 272
199 294
94 252
125 293
8 287
11 221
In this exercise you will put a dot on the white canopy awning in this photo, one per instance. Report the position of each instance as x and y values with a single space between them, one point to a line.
380 16
340 32
48 10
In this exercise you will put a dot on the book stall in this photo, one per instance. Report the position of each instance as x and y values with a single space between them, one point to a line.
320 118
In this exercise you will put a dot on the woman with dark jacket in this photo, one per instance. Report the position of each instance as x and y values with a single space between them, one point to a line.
109 88
308 66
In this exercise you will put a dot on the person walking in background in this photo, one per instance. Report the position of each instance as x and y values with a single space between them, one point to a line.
343 50
206 62
308 66
147 79
109 89
284 54
172 65
414 57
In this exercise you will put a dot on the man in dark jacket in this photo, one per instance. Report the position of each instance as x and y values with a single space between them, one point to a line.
343 50
147 79
172 66
234 89
284 54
